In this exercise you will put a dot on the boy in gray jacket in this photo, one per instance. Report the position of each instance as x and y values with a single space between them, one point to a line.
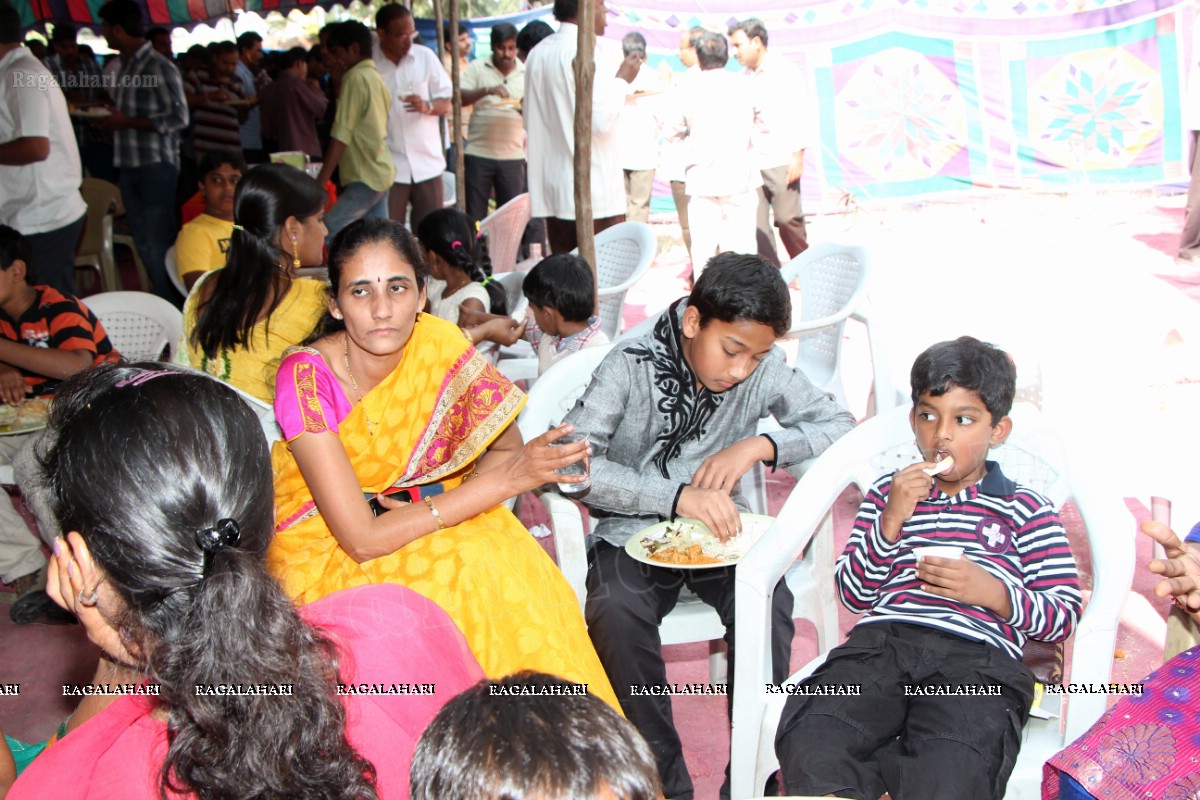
672 419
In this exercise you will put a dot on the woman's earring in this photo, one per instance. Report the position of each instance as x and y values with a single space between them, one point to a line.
295 254
336 314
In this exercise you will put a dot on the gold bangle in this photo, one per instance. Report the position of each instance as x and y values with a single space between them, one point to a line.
441 523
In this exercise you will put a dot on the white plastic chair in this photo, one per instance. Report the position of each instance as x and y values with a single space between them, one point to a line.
549 401
141 326
504 228
173 271
95 248
1034 455
834 281
623 254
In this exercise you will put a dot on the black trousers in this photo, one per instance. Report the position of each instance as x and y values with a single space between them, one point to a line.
918 747
781 200
52 256
485 174
626 602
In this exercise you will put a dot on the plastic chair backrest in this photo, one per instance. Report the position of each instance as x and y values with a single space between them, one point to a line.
833 283
1034 455
557 389
173 271
103 199
504 228
623 254
141 326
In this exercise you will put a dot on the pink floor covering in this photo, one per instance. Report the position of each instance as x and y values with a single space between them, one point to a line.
42 657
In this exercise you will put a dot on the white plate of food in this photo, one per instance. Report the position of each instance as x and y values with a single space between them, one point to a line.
689 544
28 416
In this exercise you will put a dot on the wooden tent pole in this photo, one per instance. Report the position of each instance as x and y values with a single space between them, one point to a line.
459 166
585 74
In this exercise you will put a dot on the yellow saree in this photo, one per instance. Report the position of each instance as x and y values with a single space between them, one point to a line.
429 422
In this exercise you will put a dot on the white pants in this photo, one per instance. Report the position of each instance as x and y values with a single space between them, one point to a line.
20 549
721 223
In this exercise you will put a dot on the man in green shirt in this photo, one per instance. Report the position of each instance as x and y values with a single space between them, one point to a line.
358 140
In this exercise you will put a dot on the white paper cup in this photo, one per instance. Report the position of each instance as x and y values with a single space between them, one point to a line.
938 551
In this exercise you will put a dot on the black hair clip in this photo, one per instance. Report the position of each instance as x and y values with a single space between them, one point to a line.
226 533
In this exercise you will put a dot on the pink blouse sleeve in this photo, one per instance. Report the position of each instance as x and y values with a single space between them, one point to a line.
308 398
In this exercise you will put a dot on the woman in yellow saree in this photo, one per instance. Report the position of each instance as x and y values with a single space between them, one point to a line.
395 406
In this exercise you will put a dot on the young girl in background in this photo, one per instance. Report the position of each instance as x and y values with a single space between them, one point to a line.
459 266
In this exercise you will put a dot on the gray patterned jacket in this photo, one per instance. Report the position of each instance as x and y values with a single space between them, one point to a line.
651 430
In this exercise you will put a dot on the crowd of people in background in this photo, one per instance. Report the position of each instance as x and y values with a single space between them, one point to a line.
373 111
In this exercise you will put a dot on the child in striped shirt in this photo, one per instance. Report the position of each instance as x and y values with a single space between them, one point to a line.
937 653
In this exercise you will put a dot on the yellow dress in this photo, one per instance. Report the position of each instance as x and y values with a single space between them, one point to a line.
252 367
430 420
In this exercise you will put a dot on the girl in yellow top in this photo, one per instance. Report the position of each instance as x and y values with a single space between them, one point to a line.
240 319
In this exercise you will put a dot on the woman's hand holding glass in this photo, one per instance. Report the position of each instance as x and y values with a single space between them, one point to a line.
1180 569
536 463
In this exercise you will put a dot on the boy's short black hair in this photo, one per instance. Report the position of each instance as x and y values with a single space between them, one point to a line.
565 283
13 247
495 740
343 34
968 364
213 159
736 287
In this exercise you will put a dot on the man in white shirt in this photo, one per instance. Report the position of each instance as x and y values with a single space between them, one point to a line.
550 124
780 148
421 91
40 171
716 121
637 133
670 162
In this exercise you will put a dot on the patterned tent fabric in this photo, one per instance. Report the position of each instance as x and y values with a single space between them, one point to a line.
929 96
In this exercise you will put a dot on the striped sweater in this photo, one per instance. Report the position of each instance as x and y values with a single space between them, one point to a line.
1012 532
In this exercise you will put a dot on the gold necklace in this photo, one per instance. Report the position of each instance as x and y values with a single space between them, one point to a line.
354 385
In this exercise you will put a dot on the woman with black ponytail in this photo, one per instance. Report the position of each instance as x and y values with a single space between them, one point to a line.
162 483
459 268
238 320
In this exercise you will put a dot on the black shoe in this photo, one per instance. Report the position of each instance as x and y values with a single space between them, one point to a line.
36 605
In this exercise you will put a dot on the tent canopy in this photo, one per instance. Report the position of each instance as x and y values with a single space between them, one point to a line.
188 13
